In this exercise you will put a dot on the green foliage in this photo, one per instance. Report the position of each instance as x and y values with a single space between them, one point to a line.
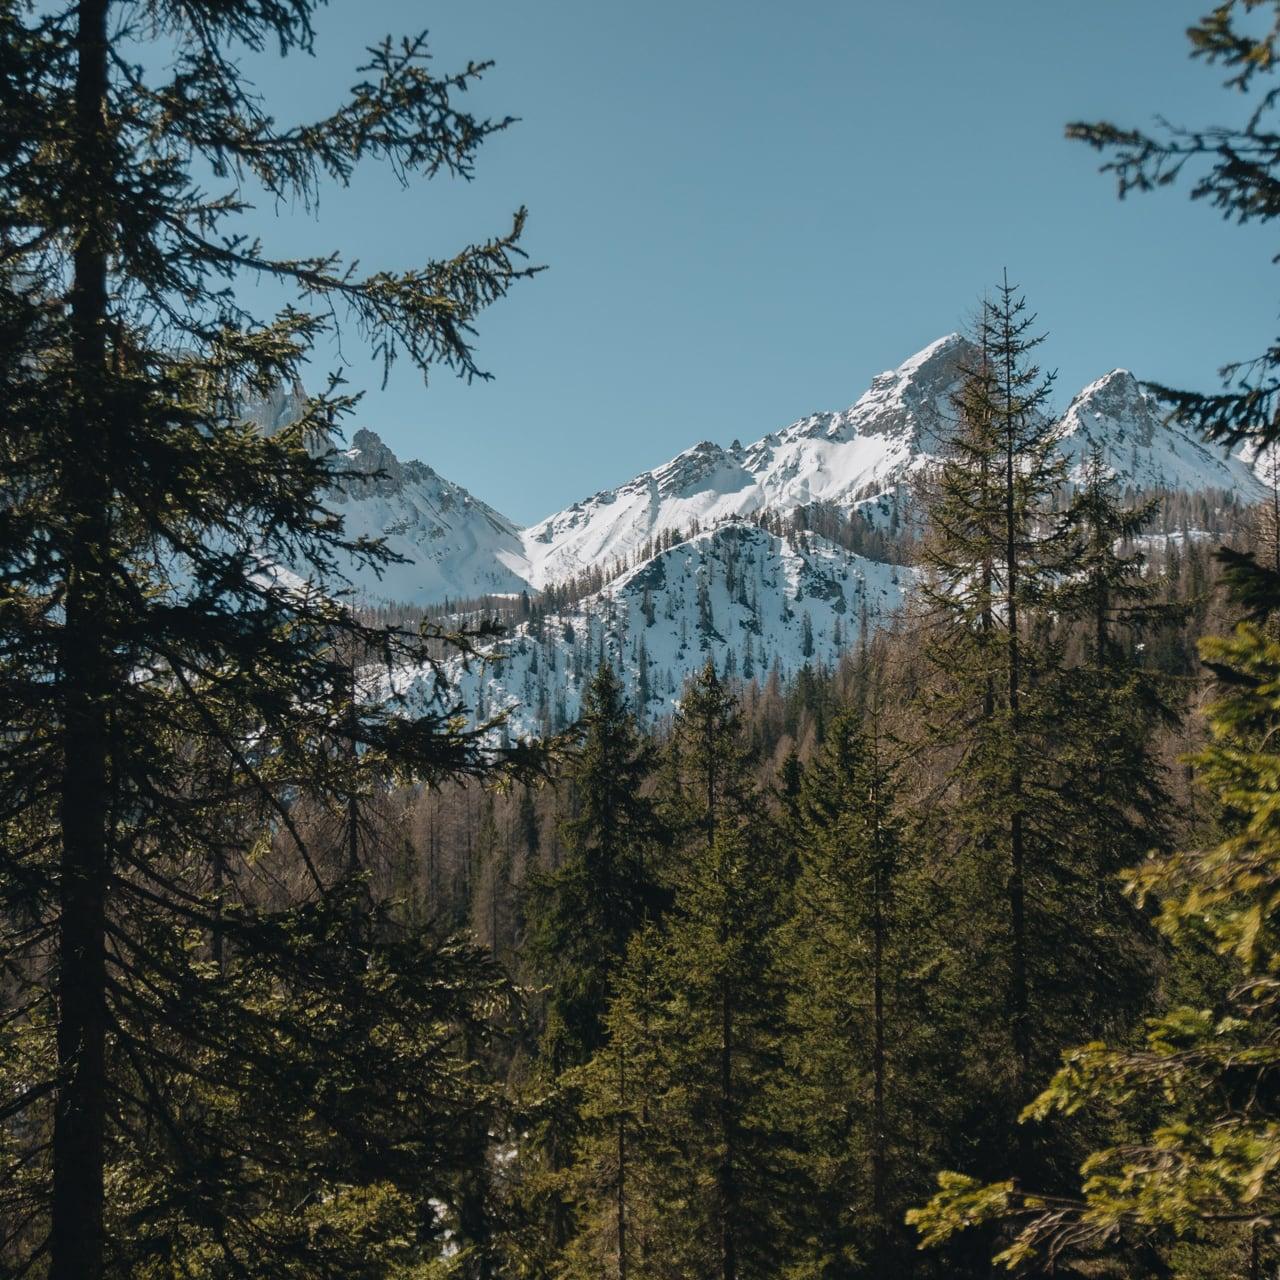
1055 787
995 552
1198 1092
695 1028
585 911
583 915
1187 1175
196 978
627 1205
846 951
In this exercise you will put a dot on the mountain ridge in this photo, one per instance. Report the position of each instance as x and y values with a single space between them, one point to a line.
860 458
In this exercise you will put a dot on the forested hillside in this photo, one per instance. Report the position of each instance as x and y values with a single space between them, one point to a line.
794 952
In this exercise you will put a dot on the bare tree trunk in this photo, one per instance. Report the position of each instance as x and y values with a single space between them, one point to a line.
77 1237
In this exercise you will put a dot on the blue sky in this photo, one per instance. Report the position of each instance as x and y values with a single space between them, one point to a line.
748 209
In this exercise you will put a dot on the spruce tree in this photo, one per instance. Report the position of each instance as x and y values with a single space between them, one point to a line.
619 1179
1194 1154
1187 1181
845 951
198 1002
722 1023
1236 169
1111 785
994 551
695 1029
584 913
721 1033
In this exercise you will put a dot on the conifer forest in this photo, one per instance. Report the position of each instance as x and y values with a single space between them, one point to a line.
853 888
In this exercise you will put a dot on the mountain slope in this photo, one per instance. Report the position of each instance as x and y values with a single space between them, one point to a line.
454 545
451 545
862 454
744 598
1116 417
844 458
729 590
457 547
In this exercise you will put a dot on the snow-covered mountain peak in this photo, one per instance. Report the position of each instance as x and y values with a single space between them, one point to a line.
453 545
934 362
861 457
369 456
917 394
375 469
1115 403
846 458
691 571
461 547
1116 418
913 400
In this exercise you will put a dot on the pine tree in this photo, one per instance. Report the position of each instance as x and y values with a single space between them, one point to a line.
584 913
992 557
1195 1153
1109 587
721 1026
845 951
1111 785
1237 170
188 1089
721 1038
619 1178
1196 1097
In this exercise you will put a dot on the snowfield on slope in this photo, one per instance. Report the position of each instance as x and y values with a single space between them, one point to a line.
736 595
864 455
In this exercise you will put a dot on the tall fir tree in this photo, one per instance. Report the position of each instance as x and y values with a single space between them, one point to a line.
622 1194
722 1025
192 1024
1112 787
1185 1180
679 1167
584 913
1185 1185
994 550
845 949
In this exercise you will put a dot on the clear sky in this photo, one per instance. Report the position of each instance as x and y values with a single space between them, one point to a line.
748 209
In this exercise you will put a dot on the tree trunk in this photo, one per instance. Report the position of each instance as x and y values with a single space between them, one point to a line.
726 1173
879 1154
879 892
474 1225
1019 999
622 1163
76 1238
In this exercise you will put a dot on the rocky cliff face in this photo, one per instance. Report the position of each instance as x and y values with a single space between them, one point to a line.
453 545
